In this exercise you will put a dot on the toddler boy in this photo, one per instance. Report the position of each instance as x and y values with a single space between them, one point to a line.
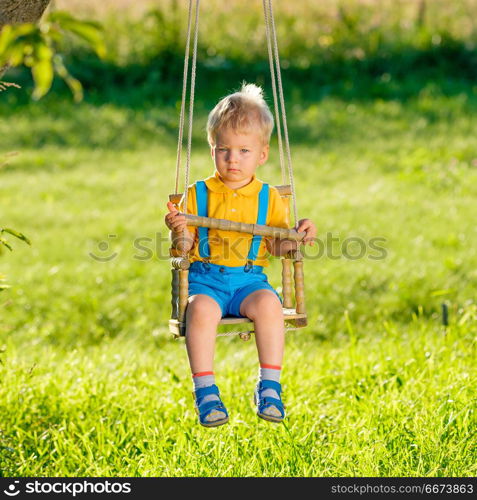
226 275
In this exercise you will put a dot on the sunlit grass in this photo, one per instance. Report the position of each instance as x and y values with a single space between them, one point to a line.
90 382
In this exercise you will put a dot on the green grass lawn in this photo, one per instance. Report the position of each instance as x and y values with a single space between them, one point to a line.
91 383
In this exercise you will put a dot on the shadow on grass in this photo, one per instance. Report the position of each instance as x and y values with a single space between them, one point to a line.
129 107
392 72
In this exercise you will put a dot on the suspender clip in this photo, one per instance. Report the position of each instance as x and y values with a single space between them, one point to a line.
248 266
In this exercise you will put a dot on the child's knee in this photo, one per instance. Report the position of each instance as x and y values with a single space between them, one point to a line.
203 308
262 303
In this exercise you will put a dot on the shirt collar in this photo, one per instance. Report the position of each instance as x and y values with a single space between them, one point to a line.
215 184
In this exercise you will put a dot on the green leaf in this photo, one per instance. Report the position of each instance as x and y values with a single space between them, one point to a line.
34 47
42 51
9 34
42 72
19 43
447 291
5 243
90 31
25 29
75 87
17 234
74 84
6 37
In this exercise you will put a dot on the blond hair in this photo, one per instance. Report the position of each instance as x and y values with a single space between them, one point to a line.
244 111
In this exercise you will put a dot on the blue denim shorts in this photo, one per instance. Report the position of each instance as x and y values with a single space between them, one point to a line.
227 285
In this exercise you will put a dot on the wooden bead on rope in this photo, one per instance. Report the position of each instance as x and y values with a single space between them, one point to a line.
294 255
180 263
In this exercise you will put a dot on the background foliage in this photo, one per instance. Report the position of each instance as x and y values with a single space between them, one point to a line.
381 100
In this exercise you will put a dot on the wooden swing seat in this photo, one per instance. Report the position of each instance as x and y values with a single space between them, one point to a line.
294 317
291 317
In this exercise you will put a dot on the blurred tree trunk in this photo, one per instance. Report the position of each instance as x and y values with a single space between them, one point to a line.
18 12
21 11
421 13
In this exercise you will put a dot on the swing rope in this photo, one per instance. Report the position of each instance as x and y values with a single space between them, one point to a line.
191 111
270 24
248 332
184 90
278 99
274 89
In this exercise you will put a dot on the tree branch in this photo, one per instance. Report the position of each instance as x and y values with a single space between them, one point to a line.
18 12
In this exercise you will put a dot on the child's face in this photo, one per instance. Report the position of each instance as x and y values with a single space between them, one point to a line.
237 156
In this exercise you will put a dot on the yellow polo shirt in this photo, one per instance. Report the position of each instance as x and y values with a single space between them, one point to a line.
230 248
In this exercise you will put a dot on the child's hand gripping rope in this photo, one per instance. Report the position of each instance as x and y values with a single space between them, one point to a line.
307 226
175 221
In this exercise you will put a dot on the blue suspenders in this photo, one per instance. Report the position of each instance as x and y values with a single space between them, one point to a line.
261 219
204 249
201 196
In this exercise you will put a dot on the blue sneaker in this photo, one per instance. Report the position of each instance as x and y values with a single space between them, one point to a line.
269 408
211 413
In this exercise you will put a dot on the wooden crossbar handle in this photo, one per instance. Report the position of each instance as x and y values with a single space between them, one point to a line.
284 190
240 227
